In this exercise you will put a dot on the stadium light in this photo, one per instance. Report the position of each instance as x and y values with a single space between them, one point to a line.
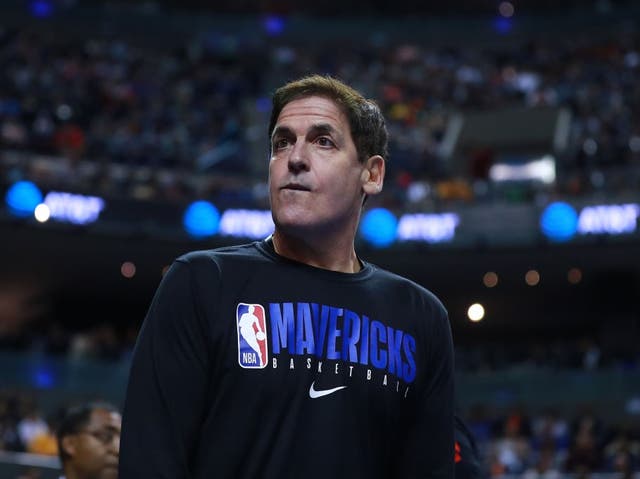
201 219
22 198
475 312
428 227
490 279
379 227
242 223
43 377
506 9
128 269
42 213
532 277
559 221
574 275
74 208
41 8
273 25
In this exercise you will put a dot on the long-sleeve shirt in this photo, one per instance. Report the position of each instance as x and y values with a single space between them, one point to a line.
253 366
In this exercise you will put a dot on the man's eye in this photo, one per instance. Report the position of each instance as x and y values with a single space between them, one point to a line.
324 141
281 143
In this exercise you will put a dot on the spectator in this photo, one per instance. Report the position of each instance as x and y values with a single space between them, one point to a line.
89 441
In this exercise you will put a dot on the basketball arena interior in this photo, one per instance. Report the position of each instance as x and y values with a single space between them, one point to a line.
134 132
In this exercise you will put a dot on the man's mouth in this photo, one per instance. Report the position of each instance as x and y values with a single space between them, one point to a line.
295 187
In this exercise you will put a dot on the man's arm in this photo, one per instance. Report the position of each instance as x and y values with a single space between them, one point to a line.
167 383
430 446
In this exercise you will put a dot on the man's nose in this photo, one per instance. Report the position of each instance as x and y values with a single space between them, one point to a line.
115 445
299 159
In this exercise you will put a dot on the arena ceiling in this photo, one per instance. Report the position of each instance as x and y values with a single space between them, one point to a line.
372 7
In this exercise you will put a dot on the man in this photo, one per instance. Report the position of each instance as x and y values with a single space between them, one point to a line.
89 441
354 376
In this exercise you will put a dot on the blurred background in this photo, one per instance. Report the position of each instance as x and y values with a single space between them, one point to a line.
133 132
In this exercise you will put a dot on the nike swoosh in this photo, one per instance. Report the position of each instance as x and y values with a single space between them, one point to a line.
313 394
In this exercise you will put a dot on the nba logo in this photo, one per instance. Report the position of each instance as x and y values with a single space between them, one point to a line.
252 336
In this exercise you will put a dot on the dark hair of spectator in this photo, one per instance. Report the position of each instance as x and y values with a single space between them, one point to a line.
75 419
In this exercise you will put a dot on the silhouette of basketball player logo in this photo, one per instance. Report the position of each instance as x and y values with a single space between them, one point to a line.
252 344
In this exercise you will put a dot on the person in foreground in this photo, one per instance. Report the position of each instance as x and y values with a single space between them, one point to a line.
89 441
467 457
348 371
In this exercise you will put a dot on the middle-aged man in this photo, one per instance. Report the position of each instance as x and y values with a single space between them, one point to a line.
348 372
89 441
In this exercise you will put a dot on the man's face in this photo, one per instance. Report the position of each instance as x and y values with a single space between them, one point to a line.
315 178
95 449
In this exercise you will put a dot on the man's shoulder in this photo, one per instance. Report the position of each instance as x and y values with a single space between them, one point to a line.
393 282
235 253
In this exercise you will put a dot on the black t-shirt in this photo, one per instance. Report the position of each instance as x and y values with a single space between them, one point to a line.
250 366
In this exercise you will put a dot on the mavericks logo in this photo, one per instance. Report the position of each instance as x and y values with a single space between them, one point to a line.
322 332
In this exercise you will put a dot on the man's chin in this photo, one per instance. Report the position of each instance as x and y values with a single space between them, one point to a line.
302 231
109 472
294 226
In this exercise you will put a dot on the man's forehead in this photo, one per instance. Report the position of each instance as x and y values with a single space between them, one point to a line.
315 109
104 417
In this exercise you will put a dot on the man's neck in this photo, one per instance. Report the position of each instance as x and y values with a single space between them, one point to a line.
337 255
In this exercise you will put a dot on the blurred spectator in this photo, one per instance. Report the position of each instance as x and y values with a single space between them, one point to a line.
89 441
545 466
188 111
44 443
622 453
550 434
510 453
538 446
585 451
9 418
31 426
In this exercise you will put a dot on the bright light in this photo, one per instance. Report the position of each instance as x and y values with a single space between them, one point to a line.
532 278
42 213
43 377
431 228
559 221
609 219
574 276
253 224
379 227
502 25
476 312
541 169
506 9
273 25
201 219
41 8
490 279
22 198
73 208
128 269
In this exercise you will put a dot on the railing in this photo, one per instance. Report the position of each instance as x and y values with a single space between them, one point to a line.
60 380
16 464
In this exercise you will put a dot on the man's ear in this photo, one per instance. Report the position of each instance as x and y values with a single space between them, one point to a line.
373 175
68 445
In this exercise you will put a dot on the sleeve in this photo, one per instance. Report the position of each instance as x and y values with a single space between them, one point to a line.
430 445
467 458
168 382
